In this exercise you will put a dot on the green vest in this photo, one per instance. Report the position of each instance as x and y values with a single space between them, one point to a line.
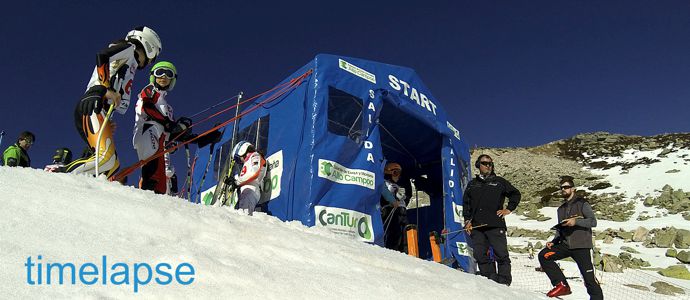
15 156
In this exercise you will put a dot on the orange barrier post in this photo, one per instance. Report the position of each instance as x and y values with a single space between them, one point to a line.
435 247
412 240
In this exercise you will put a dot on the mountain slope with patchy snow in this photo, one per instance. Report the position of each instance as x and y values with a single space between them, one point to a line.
639 188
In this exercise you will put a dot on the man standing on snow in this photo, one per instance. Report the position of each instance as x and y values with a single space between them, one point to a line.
483 208
573 239
16 155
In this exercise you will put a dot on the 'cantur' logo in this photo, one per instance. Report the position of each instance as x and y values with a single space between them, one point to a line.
346 222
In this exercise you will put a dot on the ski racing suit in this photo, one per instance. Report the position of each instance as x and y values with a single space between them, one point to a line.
250 181
154 117
115 69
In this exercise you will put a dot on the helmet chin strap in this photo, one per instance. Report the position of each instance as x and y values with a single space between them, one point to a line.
159 87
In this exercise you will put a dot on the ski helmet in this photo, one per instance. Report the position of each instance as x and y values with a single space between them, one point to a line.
63 156
241 149
391 168
164 65
147 39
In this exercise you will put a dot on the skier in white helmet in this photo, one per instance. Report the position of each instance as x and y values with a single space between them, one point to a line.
251 176
154 127
111 84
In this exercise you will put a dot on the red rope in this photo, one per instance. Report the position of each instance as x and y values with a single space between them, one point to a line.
293 83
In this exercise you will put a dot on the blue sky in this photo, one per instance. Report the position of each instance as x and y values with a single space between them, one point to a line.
509 73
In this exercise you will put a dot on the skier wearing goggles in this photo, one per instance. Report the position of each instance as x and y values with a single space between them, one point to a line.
154 126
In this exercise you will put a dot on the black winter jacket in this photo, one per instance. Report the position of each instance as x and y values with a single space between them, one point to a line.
484 197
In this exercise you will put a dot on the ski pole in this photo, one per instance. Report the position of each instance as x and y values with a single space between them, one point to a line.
189 166
100 136
464 229
2 133
227 168
211 107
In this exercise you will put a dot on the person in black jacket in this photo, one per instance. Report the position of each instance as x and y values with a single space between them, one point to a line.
484 212
573 239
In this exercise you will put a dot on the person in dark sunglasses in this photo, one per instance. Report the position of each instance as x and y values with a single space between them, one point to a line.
483 207
573 239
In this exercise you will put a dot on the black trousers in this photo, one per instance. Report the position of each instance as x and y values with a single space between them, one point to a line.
548 258
394 222
497 269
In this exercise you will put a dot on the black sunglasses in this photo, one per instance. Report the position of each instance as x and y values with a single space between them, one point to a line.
565 187
487 163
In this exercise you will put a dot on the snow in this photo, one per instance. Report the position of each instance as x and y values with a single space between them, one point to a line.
79 219
647 179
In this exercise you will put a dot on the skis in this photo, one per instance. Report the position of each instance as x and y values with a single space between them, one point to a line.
222 191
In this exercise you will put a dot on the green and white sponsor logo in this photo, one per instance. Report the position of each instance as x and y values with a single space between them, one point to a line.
463 249
207 195
337 173
345 222
357 71
455 131
275 170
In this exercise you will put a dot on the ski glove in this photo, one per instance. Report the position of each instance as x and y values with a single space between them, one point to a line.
210 138
231 182
180 129
92 101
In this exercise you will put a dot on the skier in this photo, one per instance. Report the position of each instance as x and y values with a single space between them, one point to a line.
16 155
251 177
154 127
111 84
61 158
393 209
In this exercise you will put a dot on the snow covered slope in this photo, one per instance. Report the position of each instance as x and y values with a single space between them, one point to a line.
79 220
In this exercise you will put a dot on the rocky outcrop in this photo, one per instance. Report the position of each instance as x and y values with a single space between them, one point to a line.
671 252
640 234
682 240
678 271
537 234
675 201
616 264
683 256
589 146
661 238
665 288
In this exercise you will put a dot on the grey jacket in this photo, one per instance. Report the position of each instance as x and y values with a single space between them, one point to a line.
580 235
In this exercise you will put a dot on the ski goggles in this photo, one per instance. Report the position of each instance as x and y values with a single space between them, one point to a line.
162 72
